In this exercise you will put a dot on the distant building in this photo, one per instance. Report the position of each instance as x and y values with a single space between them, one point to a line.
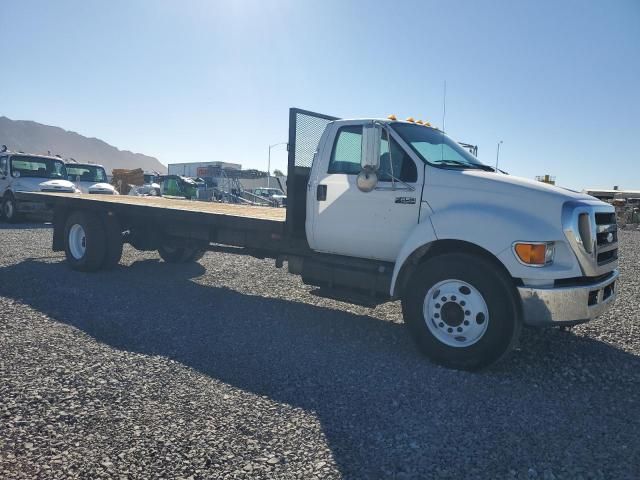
201 169
614 193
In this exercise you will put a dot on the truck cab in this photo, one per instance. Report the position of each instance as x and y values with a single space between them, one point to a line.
90 178
21 172
473 253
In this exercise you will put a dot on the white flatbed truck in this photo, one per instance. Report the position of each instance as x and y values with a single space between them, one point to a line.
393 210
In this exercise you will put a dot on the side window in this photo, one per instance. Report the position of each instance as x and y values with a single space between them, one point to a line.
398 163
347 151
4 166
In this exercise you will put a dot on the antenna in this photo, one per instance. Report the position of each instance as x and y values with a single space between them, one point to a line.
444 104
444 114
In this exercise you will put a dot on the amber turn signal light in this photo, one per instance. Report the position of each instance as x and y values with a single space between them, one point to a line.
534 253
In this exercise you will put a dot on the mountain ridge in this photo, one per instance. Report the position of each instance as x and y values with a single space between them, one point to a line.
30 136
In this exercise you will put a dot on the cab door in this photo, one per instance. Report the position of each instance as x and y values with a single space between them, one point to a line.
348 221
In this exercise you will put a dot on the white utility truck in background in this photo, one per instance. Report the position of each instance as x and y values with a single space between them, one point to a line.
395 210
90 178
22 172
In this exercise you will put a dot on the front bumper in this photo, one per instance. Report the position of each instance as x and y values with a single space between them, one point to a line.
567 305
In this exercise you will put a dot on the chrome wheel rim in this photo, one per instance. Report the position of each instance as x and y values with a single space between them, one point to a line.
77 241
456 313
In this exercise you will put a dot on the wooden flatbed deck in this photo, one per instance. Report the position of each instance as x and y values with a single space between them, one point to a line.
195 206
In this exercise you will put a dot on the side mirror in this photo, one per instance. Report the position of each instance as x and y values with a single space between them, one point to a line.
370 163
367 180
371 136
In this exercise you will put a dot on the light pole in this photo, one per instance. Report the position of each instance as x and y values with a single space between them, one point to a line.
498 154
269 162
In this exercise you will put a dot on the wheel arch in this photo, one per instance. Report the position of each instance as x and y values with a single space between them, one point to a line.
433 249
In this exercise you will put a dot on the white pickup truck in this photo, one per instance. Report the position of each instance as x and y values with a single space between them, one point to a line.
393 210
21 172
90 178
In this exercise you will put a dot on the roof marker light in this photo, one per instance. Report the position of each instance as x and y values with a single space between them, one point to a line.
392 117
419 122
410 119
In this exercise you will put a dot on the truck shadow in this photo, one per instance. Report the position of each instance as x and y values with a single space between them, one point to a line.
383 408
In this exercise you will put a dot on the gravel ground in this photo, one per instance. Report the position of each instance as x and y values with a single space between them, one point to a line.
234 369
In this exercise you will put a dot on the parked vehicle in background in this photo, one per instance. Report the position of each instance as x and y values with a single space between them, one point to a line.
21 172
90 178
150 186
178 186
391 210
275 195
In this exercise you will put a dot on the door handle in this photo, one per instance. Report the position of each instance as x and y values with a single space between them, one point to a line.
321 193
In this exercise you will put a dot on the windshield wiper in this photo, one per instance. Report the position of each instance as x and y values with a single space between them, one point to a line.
458 163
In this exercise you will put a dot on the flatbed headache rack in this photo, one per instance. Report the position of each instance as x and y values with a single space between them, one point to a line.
305 130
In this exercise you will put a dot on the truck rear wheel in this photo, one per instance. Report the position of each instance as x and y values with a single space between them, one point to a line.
461 311
172 254
85 243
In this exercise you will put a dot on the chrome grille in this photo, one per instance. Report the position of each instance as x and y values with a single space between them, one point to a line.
592 232
606 237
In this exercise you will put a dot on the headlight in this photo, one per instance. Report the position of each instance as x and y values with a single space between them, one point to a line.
534 254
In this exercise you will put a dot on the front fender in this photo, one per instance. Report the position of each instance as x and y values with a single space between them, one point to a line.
421 235
494 229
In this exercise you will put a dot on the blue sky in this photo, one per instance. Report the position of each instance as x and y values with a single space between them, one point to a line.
557 81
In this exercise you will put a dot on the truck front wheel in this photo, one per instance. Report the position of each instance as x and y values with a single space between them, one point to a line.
85 242
461 311
9 209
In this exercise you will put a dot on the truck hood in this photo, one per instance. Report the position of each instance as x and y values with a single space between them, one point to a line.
497 187
58 185
36 185
493 210
91 187
489 202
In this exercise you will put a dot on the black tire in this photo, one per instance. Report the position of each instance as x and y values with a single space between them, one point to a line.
95 242
113 233
174 254
503 325
9 209
196 255
180 254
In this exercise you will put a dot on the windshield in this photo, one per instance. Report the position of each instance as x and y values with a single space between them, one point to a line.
86 173
436 148
37 167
